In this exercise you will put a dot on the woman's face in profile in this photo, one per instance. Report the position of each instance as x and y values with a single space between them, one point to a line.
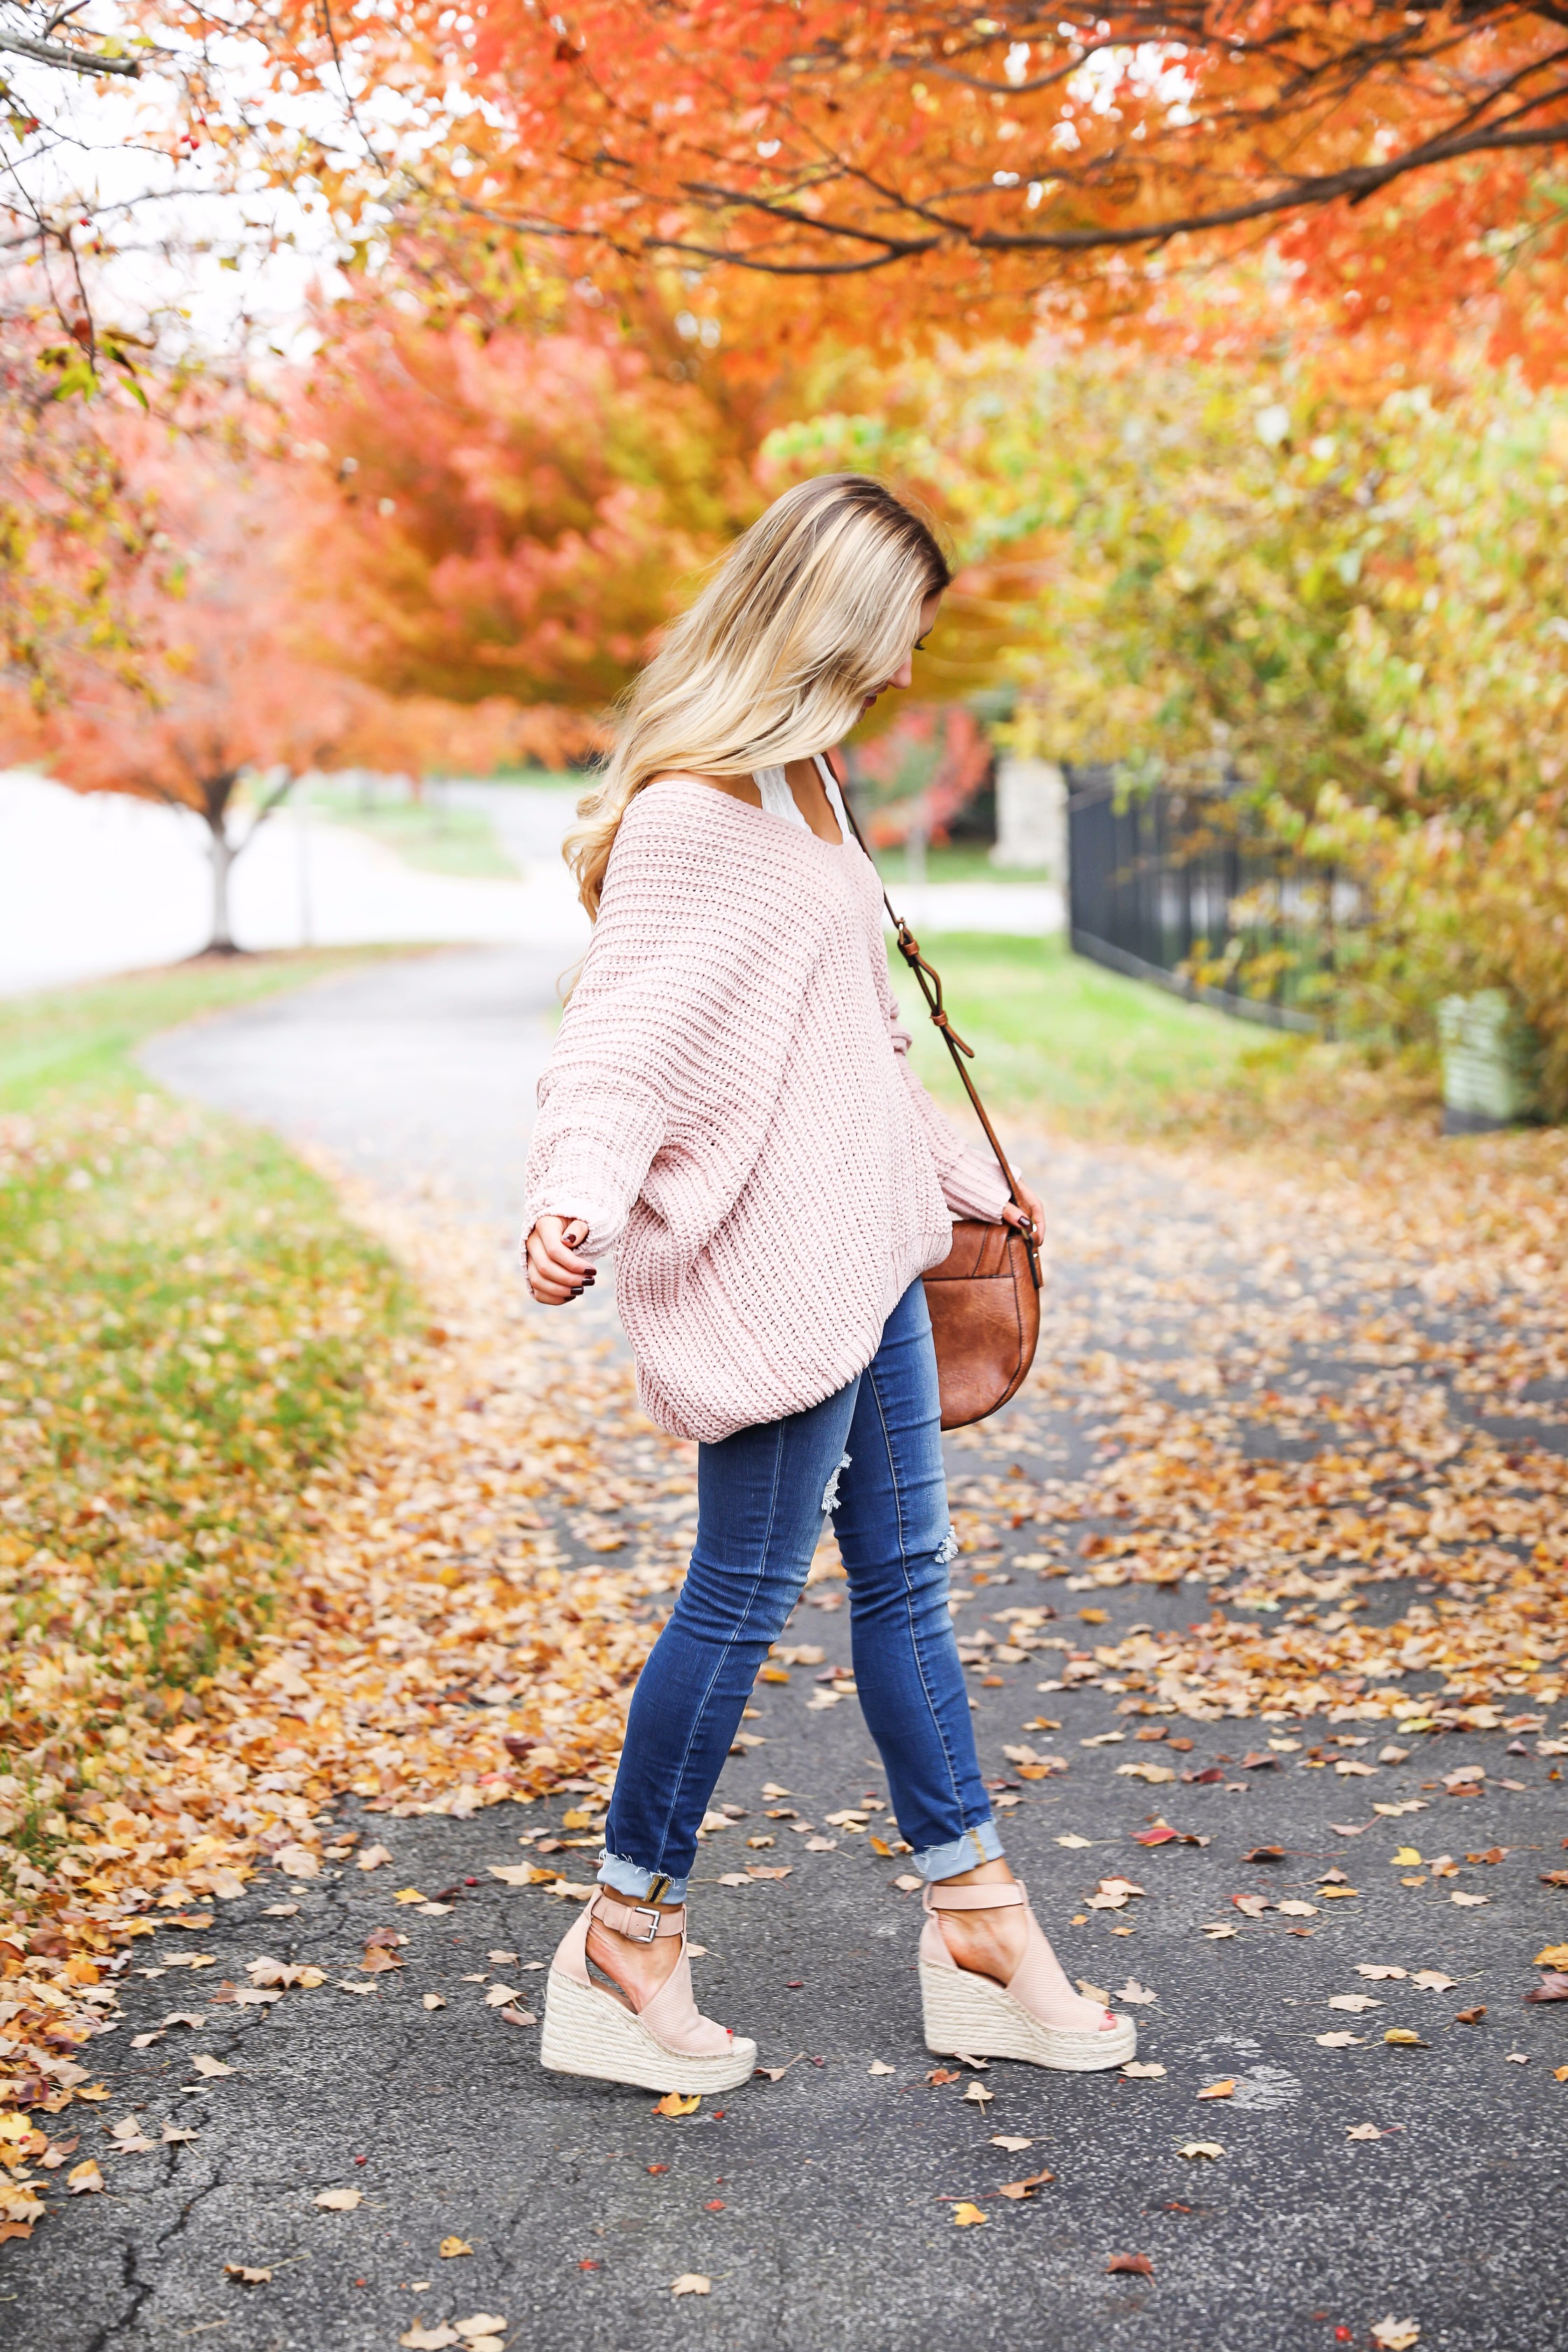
904 674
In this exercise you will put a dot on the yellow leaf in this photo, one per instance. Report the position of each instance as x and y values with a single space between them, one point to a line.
674 2104
1407 1857
1403 2038
877 1847
450 2246
1560 2073
967 2215
97 2091
1219 2090
84 2178
409 1895
1555 1956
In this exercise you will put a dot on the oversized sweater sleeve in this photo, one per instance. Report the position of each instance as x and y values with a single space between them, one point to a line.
971 1182
669 1041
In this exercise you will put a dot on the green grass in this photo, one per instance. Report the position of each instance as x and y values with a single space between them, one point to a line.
964 862
1063 1040
190 1329
423 834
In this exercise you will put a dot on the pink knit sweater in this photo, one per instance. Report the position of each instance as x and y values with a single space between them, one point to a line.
730 1101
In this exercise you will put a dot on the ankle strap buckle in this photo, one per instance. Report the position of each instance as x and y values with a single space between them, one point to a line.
643 1911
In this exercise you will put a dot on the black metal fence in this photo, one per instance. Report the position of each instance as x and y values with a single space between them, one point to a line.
1179 888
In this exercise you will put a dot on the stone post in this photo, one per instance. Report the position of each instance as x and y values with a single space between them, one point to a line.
1031 817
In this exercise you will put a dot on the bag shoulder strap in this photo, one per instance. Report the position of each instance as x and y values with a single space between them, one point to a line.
929 981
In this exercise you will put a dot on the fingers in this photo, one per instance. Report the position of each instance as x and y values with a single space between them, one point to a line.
555 1272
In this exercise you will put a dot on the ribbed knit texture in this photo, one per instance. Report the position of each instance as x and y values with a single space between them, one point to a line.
730 1103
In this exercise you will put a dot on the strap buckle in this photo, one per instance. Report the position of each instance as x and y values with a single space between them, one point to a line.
643 1911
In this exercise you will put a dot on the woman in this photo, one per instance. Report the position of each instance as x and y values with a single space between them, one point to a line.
730 1106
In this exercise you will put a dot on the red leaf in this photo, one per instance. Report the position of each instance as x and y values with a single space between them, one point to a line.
1138 2264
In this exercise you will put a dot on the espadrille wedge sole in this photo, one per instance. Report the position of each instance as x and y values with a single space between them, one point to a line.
587 2032
979 2018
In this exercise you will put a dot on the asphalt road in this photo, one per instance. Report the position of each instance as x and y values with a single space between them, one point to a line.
821 2207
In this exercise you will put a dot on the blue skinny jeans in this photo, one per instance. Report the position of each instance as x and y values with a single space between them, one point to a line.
871 1456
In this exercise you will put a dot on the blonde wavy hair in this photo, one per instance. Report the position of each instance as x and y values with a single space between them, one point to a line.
812 610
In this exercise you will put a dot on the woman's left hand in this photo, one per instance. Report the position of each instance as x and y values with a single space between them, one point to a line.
1033 1209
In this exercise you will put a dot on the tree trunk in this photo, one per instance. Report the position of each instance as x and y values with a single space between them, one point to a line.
221 851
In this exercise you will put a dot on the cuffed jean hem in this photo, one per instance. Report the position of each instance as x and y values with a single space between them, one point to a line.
630 1878
982 1843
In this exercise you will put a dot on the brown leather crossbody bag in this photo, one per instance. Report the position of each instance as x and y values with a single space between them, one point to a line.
984 1297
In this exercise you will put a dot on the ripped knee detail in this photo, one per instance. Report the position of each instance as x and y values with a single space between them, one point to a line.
948 1550
830 1492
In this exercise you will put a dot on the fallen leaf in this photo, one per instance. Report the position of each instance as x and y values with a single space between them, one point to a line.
1218 2090
1019 2189
1298 1910
1399 2037
211 2067
1265 1853
1094 1992
1516 2058
1555 1956
1010 2141
977 2095
691 2282
451 2247
521 1874
499 1995
778 2074
433 1999
420 2338
1353 2000
1330 1894
1141 2070
1470 2016
1336 2041
1434 1980
674 2104
966 2215
1552 1988
371 1858
1138 1993
1135 2265
1379 1975
1077 1843
1393 2335
878 2067
1560 2073
941 2074
246 2274
1470 1901
84 2180
1197 2148
1363 2131
908 1884
480 2323
338 2201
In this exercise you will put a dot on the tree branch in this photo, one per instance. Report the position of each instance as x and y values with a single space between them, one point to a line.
66 59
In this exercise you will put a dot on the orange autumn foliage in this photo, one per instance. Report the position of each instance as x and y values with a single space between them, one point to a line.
882 169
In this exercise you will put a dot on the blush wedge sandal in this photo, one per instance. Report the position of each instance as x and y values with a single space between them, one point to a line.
665 2045
971 2015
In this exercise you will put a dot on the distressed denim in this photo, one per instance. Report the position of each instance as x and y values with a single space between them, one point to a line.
870 1456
